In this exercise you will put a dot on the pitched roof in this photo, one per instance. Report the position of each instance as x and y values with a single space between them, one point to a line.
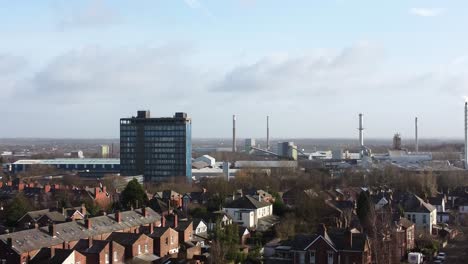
416 204
247 202
336 239
60 256
32 239
159 231
124 239
167 194
182 225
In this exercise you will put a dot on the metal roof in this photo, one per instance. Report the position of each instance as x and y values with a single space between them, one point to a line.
69 161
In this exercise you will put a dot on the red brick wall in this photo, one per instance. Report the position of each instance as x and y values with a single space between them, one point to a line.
161 248
143 241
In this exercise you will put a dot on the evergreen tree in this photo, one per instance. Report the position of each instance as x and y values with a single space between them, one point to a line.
134 195
365 211
18 207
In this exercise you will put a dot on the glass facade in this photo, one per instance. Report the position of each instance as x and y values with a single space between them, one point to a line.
158 148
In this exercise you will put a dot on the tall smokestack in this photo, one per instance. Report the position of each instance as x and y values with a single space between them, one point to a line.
416 134
466 134
361 135
234 149
268 133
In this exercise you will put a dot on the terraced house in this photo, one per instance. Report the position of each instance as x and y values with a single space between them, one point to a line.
98 233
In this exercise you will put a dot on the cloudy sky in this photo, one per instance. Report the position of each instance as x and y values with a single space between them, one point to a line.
73 68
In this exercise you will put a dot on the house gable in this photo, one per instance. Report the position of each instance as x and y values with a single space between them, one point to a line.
320 242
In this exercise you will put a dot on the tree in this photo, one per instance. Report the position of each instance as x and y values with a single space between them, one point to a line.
91 207
134 195
365 212
18 207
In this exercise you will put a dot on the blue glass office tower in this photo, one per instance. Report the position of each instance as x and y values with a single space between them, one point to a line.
157 148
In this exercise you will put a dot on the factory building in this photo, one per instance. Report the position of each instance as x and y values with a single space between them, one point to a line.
85 165
249 143
287 149
157 148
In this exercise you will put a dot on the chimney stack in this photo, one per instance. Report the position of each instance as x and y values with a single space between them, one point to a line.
268 133
83 209
416 134
144 211
361 135
10 241
234 148
176 221
52 252
466 135
151 228
88 223
349 238
163 221
52 229
118 216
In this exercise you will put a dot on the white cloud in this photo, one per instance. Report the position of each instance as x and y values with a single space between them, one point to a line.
93 73
427 12
326 72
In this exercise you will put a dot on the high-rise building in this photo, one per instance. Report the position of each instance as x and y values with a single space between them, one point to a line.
157 148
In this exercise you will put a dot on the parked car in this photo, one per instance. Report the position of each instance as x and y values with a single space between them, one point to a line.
441 256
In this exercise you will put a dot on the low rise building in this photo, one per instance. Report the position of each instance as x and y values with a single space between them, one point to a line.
246 211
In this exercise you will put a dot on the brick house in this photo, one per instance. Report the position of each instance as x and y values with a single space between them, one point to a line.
185 229
23 246
135 244
341 246
166 241
101 251
67 256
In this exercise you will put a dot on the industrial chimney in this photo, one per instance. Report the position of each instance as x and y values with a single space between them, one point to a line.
268 134
466 135
234 133
416 134
361 135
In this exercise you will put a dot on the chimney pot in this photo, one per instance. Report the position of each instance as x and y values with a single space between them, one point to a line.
88 223
163 221
118 216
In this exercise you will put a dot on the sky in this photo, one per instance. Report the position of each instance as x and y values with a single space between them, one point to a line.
72 69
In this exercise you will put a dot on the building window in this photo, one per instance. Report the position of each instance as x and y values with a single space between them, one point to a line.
139 249
302 257
167 241
146 248
115 256
312 257
172 240
424 220
106 258
78 262
330 257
